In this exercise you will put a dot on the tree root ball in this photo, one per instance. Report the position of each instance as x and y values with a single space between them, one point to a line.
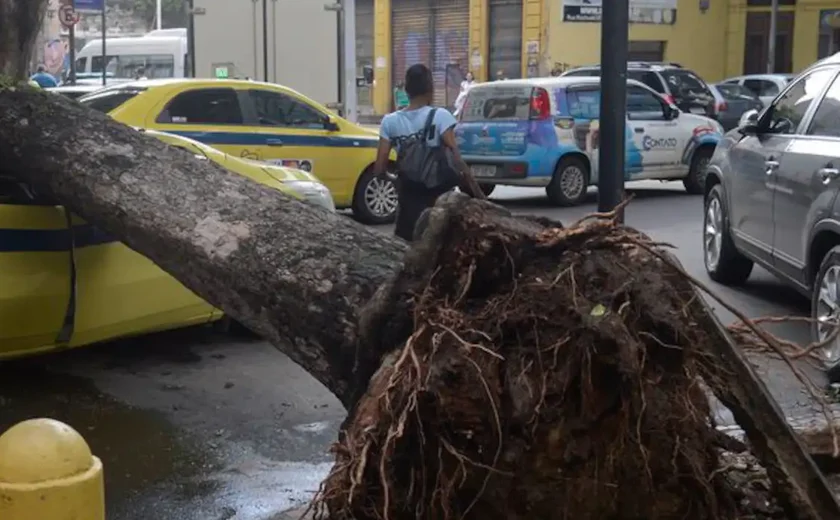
550 373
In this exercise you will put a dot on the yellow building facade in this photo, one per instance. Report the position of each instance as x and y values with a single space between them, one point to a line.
528 38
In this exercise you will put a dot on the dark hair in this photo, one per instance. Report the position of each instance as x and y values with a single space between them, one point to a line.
41 68
418 80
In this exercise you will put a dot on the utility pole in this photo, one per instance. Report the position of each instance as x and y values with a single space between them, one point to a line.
348 20
615 21
159 14
771 38
104 44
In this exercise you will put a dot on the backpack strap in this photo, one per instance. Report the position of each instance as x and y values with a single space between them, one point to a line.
427 128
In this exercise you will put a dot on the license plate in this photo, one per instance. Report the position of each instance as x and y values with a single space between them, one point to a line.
697 110
483 170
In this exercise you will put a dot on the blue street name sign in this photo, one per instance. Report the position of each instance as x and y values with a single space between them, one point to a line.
88 5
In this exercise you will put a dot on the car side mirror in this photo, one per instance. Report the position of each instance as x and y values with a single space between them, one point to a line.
330 124
749 122
672 112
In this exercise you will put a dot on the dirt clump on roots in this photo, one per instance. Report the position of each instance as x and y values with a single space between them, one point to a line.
550 373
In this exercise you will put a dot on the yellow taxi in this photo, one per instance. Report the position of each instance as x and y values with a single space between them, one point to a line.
263 122
66 283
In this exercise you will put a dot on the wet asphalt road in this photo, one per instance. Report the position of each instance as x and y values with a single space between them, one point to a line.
197 425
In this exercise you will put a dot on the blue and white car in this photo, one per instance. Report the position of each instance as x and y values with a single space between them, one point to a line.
545 132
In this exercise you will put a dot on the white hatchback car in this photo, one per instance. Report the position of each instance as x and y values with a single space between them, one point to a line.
765 86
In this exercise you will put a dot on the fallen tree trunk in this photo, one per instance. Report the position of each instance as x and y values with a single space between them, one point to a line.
292 272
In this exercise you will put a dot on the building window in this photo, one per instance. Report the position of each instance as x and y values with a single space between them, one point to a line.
829 35
646 51
756 48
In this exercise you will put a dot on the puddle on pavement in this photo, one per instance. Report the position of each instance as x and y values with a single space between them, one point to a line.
138 448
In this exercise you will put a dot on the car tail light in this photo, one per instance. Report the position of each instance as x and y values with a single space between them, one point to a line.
540 104
670 99
722 106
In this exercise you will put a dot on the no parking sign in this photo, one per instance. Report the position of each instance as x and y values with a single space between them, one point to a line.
67 15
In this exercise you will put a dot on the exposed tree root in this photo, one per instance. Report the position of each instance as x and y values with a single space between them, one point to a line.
544 373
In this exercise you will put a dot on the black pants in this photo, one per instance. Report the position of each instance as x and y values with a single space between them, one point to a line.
413 200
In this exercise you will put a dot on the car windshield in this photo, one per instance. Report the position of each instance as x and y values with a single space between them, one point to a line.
498 103
730 91
107 100
684 82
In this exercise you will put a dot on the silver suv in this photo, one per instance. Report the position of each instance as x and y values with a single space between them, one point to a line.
679 86
771 198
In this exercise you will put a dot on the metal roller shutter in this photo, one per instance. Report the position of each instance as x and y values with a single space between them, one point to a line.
452 49
435 33
364 50
505 36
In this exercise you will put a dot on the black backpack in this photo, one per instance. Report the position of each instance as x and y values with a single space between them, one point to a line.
430 166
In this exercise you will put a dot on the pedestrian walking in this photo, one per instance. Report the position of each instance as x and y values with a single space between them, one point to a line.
469 81
428 160
43 78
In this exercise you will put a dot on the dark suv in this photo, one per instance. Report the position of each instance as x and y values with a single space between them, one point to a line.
677 85
771 198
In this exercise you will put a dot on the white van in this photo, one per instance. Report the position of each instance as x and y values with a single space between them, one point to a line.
160 56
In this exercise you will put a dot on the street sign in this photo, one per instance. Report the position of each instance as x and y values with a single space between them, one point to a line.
68 16
89 5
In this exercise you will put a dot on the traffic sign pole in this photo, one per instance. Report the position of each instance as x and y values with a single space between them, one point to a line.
615 20
104 53
72 44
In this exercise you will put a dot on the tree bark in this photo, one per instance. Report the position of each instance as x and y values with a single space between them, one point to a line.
292 272
20 21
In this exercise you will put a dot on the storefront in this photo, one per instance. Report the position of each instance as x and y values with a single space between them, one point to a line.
435 33
364 51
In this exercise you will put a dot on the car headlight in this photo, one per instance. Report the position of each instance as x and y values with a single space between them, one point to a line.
313 192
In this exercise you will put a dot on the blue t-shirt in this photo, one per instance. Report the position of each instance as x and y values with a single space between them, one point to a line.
402 124
44 79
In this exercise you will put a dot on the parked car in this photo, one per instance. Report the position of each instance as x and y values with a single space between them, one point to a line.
545 132
733 101
74 91
264 122
115 291
771 198
765 86
679 86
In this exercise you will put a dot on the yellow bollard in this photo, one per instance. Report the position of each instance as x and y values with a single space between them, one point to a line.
47 472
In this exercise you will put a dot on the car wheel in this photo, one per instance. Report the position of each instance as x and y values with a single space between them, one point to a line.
569 182
375 199
825 311
695 183
487 189
723 262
